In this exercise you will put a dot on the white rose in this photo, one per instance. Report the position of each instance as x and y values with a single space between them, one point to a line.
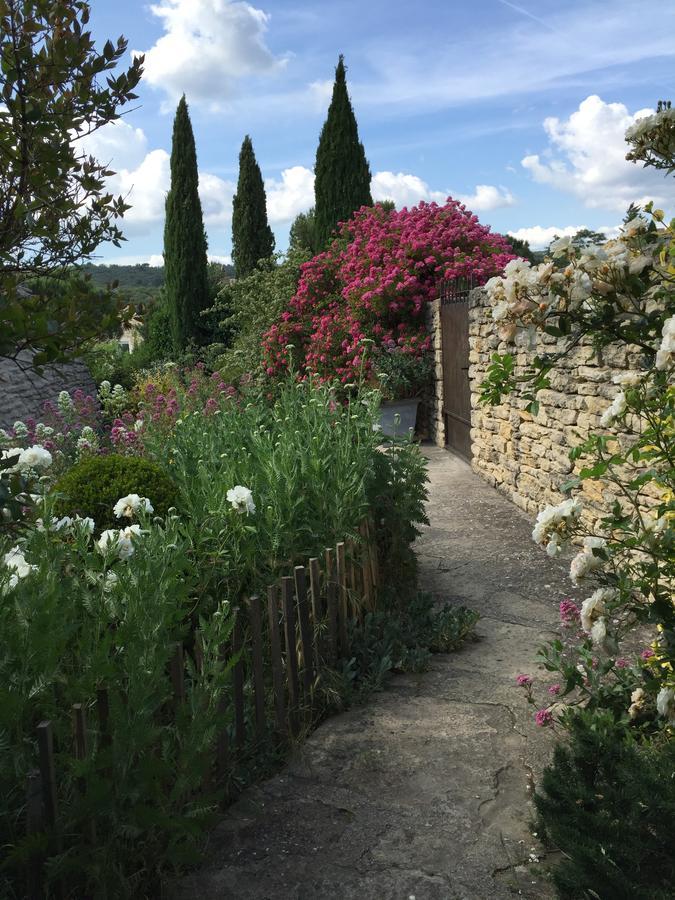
594 607
666 352
586 561
599 632
618 408
560 246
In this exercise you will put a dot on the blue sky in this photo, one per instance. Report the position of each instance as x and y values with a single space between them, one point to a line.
516 108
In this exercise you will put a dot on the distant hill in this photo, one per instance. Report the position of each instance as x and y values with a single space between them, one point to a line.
140 283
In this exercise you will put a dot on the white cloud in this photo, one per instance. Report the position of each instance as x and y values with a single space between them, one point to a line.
216 196
586 157
403 189
540 236
486 197
292 195
207 46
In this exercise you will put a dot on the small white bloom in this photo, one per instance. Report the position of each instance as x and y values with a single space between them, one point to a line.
665 704
241 499
618 408
125 545
628 379
599 632
34 457
128 506
108 539
637 703
560 246
594 607
586 561
110 580
666 352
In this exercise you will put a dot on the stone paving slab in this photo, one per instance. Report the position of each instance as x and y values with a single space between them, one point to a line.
423 792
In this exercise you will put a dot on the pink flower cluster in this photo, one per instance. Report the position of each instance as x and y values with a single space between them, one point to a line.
372 285
569 612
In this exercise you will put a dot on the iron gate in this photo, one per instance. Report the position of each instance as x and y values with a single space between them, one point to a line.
454 297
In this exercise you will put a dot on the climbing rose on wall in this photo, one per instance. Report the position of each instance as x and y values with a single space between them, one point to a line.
368 291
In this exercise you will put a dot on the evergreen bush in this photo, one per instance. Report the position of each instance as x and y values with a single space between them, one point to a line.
94 485
609 805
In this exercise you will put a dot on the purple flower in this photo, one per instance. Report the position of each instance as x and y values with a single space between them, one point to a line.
554 690
543 718
524 680
647 653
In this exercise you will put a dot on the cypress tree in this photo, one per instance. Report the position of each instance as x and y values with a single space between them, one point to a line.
185 264
342 174
252 237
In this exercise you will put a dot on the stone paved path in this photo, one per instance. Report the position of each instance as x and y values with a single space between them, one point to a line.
422 793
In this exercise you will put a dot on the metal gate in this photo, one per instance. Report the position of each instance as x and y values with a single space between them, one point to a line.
455 344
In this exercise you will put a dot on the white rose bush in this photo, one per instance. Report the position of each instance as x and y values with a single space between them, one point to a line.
620 293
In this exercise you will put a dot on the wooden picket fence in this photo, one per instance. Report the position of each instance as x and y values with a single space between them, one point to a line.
306 630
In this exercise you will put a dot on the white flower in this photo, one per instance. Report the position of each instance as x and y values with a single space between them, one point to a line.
500 310
110 581
34 457
586 561
515 266
637 703
128 506
120 541
618 408
558 247
241 499
125 546
594 607
551 517
666 352
16 562
635 226
665 704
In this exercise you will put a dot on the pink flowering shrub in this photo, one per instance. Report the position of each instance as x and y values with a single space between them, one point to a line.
367 293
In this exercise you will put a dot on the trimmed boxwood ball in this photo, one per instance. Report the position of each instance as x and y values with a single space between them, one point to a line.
93 486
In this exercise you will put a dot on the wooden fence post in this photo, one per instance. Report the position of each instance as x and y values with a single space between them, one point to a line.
238 679
366 575
47 774
35 824
177 669
317 609
276 659
291 652
255 618
305 631
331 606
342 597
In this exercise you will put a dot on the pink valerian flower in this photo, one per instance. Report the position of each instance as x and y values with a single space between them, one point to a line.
647 653
524 680
554 690
543 717
569 612
621 663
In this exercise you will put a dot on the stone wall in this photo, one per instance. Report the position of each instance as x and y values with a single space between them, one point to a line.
435 422
23 391
527 457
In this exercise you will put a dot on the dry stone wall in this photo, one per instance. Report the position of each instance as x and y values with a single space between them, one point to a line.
23 391
527 457
433 402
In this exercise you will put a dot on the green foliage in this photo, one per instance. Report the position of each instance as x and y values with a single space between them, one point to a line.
609 805
303 234
402 375
185 263
244 309
252 238
342 183
521 248
54 207
79 622
400 637
94 485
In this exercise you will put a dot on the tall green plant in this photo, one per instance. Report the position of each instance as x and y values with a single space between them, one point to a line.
342 182
252 238
186 286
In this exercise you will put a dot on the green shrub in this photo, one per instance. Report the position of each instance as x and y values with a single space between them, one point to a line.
94 485
609 805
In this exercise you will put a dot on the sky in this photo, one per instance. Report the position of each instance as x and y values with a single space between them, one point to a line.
518 109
